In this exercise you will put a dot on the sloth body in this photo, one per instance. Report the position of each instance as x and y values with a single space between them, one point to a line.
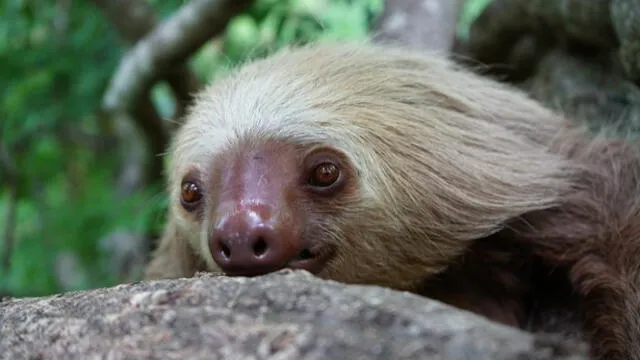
377 165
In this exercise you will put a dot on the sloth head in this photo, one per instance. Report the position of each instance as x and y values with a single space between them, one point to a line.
357 163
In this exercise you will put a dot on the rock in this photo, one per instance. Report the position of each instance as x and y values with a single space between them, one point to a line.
497 29
588 22
283 315
503 22
626 21
579 57
588 91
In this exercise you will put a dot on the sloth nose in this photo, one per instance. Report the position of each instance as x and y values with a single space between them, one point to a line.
251 242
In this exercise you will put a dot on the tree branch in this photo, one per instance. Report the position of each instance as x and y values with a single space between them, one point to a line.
133 19
167 46
424 24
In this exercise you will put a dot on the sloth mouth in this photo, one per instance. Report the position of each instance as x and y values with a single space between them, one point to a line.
312 259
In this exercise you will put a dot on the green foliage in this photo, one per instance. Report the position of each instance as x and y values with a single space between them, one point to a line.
56 64
72 220
271 24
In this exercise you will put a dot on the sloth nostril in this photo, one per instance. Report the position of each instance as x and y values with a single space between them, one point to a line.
260 247
226 252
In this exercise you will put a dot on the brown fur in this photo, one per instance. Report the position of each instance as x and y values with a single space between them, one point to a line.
467 190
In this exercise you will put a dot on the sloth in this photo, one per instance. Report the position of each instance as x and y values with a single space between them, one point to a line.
378 165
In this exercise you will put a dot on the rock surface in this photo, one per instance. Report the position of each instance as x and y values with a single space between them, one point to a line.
579 57
284 315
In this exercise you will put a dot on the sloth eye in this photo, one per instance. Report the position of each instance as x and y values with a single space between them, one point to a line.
190 193
325 174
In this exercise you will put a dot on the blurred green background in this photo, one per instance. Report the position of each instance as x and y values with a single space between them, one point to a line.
57 60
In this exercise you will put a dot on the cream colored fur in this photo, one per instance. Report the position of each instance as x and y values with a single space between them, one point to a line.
444 156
